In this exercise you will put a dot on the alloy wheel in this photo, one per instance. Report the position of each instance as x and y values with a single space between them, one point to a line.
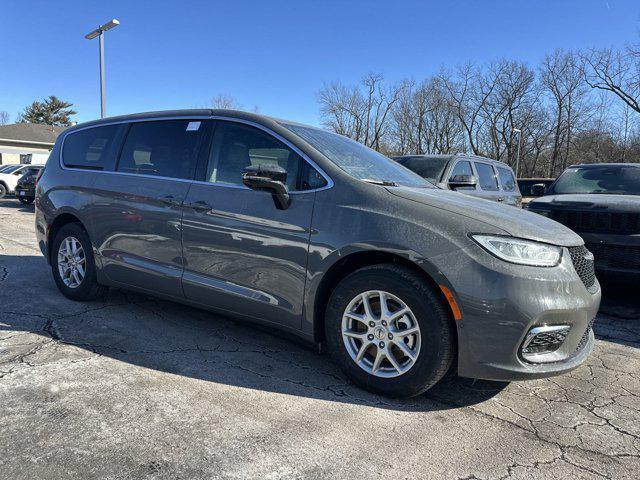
381 334
71 262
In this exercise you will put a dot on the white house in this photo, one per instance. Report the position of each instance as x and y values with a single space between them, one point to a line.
24 142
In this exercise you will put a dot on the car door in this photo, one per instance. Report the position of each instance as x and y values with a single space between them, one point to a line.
509 186
137 209
242 253
488 182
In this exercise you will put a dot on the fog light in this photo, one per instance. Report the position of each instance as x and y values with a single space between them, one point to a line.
543 340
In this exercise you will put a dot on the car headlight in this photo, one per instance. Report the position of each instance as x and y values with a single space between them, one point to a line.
522 252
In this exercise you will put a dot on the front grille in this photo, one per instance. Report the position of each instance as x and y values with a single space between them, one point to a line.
600 222
583 263
585 335
625 257
545 342
542 341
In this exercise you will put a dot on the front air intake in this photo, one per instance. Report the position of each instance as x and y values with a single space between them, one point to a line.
543 340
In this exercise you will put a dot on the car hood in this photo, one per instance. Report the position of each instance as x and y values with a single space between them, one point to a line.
597 201
512 220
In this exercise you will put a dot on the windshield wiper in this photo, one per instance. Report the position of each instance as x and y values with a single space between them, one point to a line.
384 183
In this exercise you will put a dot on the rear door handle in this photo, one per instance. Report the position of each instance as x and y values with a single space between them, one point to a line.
169 200
199 206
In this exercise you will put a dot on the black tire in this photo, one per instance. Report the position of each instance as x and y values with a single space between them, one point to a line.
3 190
438 344
89 288
25 201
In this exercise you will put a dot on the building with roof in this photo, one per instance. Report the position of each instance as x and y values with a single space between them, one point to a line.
26 142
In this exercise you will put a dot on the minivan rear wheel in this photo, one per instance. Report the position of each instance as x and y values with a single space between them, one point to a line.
73 265
389 331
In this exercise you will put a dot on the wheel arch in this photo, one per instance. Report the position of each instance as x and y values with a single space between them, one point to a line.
347 264
60 221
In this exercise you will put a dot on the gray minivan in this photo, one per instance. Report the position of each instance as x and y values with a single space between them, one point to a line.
469 174
310 232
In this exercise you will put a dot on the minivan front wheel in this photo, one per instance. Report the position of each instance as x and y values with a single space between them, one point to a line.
73 265
389 331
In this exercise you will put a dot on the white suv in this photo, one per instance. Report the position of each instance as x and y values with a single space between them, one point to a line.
9 177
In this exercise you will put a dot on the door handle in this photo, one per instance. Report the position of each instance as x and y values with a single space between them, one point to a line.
199 206
501 199
169 200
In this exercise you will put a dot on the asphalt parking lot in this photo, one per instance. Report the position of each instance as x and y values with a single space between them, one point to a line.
133 387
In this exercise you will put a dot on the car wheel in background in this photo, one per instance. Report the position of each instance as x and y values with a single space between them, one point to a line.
3 191
390 331
73 265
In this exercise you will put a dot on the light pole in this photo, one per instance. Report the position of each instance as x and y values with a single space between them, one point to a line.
99 32
518 152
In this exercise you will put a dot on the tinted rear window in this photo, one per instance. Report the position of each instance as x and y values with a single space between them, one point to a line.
90 148
162 148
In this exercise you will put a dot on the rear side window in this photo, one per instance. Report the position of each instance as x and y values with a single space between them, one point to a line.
91 148
506 179
486 177
166 148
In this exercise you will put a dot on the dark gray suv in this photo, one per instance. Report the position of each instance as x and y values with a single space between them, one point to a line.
310 232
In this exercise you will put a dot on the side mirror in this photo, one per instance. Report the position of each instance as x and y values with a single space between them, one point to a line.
538 190
271 178
461 181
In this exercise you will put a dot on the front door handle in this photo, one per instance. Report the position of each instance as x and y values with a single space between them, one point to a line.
199 206
501 199
169 200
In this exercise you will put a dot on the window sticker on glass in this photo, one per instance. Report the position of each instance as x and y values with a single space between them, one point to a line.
193 126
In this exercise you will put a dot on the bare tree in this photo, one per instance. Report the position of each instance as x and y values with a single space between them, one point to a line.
361 112
478 108
225 102
561 74
617 72
4 117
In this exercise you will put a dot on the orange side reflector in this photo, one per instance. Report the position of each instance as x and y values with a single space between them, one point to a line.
455 309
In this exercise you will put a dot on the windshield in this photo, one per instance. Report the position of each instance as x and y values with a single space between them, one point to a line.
357 160
13 168
612 179
429 168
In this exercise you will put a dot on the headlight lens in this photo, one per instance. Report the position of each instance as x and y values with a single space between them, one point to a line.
522 252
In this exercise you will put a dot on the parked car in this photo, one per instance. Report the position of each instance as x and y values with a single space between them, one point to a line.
26 186
9 178
468 174
310 232
601 202
4 168
531 188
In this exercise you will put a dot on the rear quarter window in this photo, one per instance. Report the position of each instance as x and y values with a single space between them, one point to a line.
91 148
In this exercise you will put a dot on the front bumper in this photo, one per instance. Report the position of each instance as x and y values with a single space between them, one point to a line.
502 302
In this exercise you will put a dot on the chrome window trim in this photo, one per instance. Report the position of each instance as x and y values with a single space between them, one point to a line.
267 130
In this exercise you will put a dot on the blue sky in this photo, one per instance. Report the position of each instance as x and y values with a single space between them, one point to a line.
274 54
